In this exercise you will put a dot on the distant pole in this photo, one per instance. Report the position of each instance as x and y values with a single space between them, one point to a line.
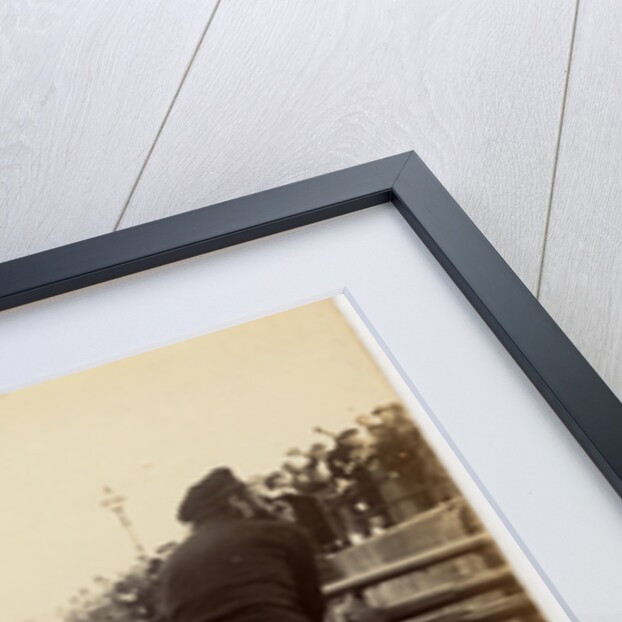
116 504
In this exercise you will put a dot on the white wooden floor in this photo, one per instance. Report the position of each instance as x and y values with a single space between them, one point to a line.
116 113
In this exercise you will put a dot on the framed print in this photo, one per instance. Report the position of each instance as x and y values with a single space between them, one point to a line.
512 510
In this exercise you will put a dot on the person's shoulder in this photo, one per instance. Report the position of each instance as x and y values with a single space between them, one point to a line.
293 534
279 526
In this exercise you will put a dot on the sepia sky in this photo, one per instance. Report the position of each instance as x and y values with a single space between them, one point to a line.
151 425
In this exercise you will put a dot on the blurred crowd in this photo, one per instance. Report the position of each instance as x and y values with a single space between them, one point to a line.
357 482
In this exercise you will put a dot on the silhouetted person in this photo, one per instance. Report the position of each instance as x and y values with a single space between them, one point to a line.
239 565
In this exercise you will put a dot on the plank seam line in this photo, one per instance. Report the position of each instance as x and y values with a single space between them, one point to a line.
166 115
547 218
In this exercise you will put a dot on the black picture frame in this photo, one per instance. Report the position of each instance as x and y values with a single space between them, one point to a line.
572 388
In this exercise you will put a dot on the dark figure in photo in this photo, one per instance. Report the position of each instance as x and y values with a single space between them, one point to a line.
239 564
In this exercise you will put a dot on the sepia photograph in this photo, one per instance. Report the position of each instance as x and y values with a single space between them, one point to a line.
272 471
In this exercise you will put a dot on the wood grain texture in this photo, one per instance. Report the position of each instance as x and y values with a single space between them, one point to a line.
582 275
84 87
282 91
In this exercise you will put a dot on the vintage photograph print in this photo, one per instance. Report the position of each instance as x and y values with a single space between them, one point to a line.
267 472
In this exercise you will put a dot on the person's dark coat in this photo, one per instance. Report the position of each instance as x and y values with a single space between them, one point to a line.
243 570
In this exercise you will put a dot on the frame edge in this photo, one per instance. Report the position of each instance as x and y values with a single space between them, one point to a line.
120 253
569 384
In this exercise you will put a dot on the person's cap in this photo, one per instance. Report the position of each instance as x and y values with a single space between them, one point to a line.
209 496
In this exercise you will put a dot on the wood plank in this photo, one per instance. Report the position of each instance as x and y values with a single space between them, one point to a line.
582 275
84 87
282 91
